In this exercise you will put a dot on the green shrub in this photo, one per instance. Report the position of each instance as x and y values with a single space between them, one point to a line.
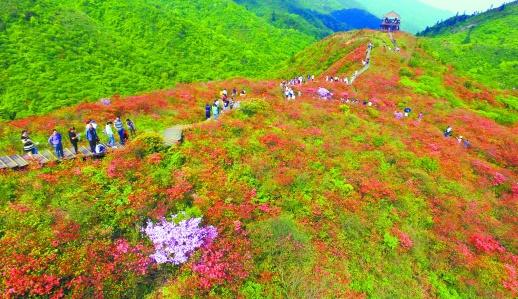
390 241
405 72
148 143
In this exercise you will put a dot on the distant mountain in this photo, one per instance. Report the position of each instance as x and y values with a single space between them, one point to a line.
319 18
312 17
482 46
57 53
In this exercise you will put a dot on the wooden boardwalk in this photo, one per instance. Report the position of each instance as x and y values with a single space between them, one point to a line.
46 156
172 136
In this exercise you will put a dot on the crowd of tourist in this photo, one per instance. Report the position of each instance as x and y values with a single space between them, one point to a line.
223 103
91 135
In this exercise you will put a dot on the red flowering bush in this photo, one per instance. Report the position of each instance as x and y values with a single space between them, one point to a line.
499 179
225 261
486 243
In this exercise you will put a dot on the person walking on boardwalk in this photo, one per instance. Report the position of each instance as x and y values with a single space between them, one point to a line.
448 132
215 111
120 129
29 146
207 111
91 136
109 132
131 126
74 139
56 141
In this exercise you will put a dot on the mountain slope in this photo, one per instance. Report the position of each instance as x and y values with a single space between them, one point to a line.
484 46
60 53
311 198
310 18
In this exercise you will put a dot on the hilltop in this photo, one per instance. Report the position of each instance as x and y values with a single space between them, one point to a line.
311 198
59 53
482 46
319 18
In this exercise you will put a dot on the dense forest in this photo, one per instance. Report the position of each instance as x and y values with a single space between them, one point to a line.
57 53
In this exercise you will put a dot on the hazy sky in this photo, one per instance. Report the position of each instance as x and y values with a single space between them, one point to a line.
464 5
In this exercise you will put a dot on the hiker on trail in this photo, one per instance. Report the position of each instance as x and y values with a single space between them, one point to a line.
420 117
398 115
131 127
29 146
120 129
243 93
226 105
460 139
74 139
109 132
448 132
91 136
56 142
231 103
224 93
94 124
466 143
215 111
207 111
407 111
234 92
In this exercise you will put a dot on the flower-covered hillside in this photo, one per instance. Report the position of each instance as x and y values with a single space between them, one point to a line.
306 198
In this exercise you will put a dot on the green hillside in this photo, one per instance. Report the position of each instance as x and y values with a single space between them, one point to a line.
57 53
484 46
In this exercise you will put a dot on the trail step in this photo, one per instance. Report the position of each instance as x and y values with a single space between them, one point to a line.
41 159
49 155
19 160
8 162
85 152
3 165
174 134
68 153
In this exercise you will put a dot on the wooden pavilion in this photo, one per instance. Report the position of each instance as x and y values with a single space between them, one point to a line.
390 22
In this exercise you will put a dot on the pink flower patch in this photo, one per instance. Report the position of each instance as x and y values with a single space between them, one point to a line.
486 244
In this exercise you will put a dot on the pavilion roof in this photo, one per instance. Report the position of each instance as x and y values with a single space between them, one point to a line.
392 15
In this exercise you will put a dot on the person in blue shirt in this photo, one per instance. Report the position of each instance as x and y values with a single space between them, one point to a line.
207 111
119 126
91 136
56 141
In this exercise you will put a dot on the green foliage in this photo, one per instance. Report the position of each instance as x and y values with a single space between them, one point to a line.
482 47
390 241
73 51
251 108
149 143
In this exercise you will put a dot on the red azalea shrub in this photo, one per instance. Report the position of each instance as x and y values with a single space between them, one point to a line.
404 240
499 179
180 188
486 243
227 261
511 283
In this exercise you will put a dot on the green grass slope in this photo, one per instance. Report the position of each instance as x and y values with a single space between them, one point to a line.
484 47
57 53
